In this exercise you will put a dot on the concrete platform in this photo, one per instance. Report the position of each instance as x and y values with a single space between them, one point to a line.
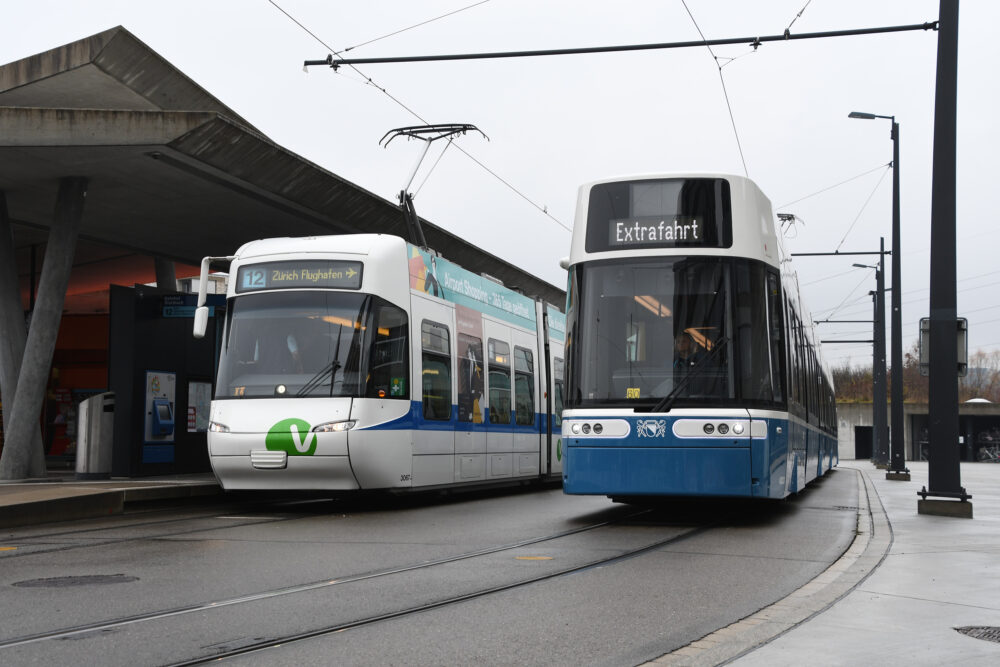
66 499
913 589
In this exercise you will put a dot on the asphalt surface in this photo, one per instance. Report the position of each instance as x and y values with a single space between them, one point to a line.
844 573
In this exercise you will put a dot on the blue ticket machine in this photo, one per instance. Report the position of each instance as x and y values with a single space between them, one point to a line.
163 417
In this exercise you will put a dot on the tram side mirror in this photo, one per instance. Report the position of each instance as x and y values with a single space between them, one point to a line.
564 263
200 321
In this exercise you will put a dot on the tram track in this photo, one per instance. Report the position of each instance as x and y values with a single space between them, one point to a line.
81 630
45 538
438 604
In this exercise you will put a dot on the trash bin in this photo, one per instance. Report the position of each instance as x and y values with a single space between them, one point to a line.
96 417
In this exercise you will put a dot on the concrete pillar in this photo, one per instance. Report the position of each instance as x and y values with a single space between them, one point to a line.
12 332
166 276
12 328
23 455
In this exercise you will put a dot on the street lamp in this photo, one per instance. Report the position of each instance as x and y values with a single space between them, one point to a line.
897 466
880 455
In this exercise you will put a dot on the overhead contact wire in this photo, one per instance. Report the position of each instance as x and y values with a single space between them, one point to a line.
369 81
725 93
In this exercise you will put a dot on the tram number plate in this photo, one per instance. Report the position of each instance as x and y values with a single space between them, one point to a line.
632 392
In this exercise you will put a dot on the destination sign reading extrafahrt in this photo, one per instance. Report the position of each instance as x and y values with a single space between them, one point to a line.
337 274
681 230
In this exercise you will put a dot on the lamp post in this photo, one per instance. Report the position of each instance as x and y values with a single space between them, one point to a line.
880 455
897 455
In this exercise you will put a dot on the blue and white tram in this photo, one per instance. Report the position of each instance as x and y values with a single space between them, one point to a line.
364 362
692 369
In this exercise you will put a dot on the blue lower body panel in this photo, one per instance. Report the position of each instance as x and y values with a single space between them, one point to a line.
681 471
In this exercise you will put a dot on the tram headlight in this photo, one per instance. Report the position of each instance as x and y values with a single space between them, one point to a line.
335 427
216 427
738 428
586 429
575 428
708 429
598 429
723 429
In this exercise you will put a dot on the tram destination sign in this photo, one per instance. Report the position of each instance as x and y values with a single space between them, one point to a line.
659 213
335 274
657 232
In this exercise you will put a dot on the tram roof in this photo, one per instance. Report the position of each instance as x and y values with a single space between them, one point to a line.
173 172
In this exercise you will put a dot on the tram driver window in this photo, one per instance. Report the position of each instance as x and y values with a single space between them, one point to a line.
388 364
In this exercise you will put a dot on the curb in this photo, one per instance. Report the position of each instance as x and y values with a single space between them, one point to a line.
84 506
867 551
97 503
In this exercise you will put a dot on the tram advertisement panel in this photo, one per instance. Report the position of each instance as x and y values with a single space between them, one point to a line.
439 277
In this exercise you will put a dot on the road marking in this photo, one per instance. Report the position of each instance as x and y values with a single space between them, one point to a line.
532 557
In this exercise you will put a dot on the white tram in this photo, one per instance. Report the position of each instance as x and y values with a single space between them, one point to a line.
364 362
692 369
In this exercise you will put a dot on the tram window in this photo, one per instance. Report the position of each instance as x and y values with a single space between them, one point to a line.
388 365
435 343
524 387
499 380
470 379
557 398
776 335
751 331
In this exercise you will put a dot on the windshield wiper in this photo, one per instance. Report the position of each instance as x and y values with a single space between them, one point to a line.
667 401
326 372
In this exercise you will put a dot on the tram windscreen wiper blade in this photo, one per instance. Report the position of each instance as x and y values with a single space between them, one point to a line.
324 373
667 401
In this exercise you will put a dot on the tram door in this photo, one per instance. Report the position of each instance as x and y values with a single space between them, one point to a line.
470 371
555 454
434 352
528 439
499 412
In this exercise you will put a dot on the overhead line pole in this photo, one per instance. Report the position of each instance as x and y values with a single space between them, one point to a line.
944 474
879 394
751 41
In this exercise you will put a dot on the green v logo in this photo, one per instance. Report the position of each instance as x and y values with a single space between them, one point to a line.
291 436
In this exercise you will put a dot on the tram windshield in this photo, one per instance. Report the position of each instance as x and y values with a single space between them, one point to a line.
313 344
694 329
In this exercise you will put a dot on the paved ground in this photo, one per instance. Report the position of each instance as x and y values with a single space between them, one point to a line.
900 596
912 589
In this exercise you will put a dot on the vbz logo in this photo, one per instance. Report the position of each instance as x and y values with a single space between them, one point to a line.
291 436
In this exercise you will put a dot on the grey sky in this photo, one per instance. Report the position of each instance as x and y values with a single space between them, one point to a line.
557 122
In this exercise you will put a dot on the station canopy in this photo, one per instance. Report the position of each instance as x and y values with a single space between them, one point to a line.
172 172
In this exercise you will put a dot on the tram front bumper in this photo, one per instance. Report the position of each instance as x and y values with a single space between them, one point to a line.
241 461
300 472
671 471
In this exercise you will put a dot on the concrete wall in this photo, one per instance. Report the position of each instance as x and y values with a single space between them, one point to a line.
850 415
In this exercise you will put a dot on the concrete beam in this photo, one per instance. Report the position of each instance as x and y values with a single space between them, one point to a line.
110 70
22 454
32 127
